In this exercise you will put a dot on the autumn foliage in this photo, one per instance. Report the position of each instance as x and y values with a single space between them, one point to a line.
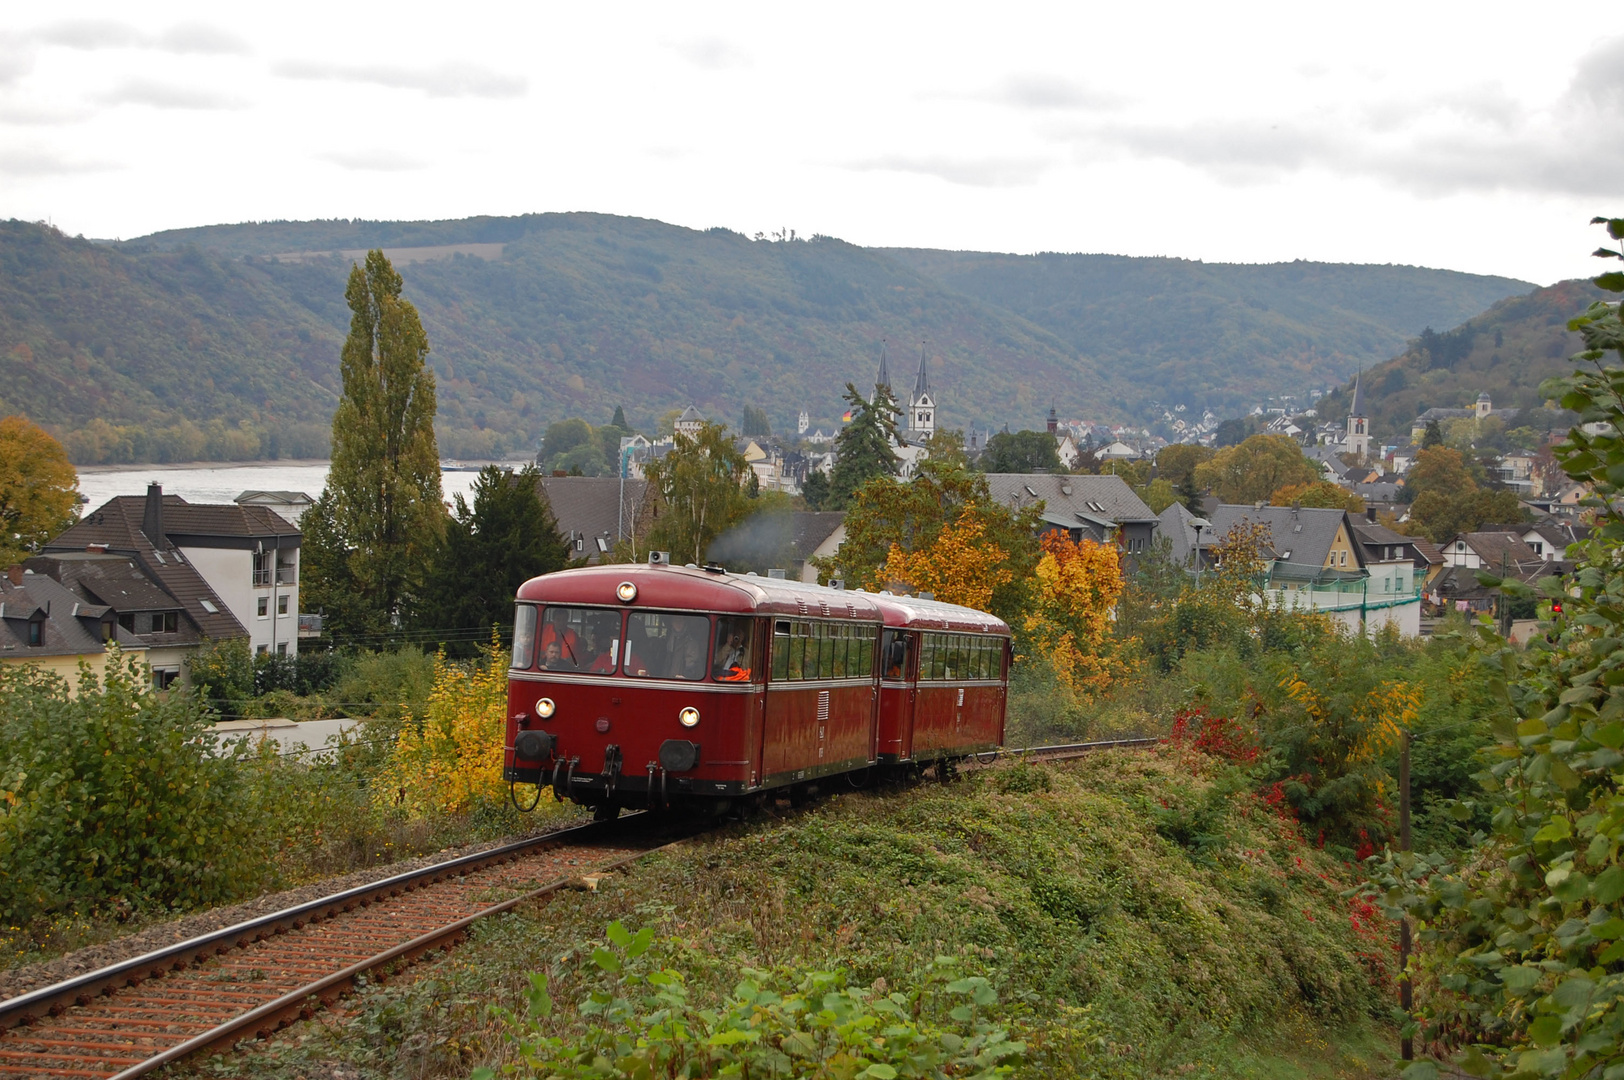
1070 621
960 566
451 763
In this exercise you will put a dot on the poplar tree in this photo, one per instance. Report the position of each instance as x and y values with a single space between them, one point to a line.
382 499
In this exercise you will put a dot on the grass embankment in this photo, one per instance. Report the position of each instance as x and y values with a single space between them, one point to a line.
1138 915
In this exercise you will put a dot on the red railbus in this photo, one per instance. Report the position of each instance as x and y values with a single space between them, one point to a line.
658 685
944 682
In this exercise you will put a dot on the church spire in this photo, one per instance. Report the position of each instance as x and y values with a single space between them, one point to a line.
920 389
1358 408
884 377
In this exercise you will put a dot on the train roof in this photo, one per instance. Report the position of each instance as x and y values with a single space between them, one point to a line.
917 614
681 587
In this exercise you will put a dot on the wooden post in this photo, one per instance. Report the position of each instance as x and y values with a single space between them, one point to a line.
1406 1049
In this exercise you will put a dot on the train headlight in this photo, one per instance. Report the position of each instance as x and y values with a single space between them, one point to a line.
626 591
545 708
689 717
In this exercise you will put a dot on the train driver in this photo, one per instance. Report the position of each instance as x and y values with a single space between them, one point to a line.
556 628
732 654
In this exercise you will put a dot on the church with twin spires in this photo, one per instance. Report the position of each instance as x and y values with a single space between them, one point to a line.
916 428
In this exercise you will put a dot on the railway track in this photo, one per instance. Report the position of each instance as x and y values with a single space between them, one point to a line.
252 979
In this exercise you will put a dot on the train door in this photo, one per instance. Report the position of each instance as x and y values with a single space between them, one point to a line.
895 734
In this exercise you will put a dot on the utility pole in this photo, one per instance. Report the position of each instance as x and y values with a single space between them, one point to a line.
1505 607
1406 1050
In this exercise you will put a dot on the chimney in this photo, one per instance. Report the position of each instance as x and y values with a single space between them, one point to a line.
152 522
15 573
1370 514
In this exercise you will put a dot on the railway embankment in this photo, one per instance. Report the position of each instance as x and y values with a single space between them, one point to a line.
1133 913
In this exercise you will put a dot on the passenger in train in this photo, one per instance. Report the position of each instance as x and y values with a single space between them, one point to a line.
690 657
552 657
556 628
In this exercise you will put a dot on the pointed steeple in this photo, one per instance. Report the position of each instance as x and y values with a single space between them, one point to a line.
884 377
920 389
1358 408
1054 419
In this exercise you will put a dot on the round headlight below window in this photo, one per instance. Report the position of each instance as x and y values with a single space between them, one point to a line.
545 707
689 717
626 591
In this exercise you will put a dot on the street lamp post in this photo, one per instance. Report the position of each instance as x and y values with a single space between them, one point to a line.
1198 524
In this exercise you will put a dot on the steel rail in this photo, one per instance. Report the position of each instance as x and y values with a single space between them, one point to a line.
81 989
298 1004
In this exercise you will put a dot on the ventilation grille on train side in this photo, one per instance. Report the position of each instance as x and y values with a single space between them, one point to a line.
823 706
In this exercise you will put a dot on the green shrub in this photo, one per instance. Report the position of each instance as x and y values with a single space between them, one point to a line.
640 1021
376 683
110 797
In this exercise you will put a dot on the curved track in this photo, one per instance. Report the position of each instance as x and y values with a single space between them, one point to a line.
251 979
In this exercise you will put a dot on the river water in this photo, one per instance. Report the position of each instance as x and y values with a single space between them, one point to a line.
223 483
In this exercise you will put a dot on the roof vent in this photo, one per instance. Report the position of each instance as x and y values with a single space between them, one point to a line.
1029 490
659 558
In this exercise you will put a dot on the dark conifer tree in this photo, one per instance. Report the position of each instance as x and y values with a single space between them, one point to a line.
864 448
488 550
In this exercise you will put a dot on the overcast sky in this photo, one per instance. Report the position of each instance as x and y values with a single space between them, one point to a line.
1467 136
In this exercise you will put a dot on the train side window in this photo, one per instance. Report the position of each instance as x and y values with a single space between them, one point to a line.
732 661
797 652
837 639
984 659
826 651
524 636
939 657
781 640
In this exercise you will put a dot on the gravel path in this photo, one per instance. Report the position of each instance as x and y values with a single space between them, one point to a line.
20 980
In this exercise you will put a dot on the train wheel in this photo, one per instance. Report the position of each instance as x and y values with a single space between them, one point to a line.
860 779
947 769
606 812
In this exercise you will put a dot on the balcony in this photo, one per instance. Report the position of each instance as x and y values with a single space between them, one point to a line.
285 575
310 626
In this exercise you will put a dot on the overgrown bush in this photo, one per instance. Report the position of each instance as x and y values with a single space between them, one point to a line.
110 797
384 683
640 1021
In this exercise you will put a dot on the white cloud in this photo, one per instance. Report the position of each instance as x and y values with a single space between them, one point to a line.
160 95
94 34
33 161
711 53
445 80
372 161
990 172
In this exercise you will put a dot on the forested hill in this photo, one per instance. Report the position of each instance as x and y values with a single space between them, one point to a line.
1218 335
1506 352
223 341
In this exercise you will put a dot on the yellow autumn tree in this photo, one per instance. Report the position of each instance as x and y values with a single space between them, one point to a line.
1071 621
1331 737
961 566
451 763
